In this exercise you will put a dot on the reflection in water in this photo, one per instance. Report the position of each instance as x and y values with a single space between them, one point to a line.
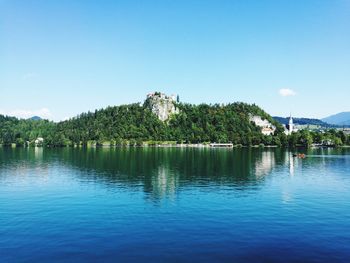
38 153
291 163
163 184
160 171
21 160
234 205
264 164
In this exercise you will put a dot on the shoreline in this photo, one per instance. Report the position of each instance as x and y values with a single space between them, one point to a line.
170 145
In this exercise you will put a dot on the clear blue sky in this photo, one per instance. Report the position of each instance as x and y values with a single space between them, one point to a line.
64 57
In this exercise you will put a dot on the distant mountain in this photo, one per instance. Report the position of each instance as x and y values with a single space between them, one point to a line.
35 118
302 121
342 118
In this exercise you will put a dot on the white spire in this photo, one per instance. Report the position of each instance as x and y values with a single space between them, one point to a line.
291 125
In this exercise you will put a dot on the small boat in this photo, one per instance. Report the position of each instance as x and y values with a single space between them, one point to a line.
299 155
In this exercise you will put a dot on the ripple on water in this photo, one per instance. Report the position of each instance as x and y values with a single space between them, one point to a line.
165 205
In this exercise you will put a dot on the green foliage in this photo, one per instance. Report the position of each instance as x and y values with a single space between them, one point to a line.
19 142
218 123
135 124
328 138
13 130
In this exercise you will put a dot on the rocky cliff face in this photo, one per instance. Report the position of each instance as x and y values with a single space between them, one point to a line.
266 127
161 105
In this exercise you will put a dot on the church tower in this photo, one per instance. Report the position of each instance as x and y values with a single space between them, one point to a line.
290 124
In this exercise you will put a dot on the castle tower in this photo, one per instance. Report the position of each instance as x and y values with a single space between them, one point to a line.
161 105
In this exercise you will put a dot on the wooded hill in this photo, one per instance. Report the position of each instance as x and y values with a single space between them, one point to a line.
136 124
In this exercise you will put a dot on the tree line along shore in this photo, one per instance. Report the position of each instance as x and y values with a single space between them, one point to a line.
136 125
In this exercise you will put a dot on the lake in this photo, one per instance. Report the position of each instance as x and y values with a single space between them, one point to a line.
174 205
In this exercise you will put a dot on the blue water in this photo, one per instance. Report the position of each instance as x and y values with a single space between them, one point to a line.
174 205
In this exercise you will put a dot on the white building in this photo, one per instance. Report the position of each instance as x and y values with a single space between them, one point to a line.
290 127
267 130
266 127
39 141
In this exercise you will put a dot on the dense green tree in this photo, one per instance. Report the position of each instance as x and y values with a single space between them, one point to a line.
134 124
305 138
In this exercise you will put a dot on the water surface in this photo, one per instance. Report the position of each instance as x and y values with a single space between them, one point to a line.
174 205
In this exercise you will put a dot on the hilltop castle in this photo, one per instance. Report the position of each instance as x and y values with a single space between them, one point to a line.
161 105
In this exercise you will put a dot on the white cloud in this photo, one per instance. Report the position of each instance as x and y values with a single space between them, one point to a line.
25 114
286 92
